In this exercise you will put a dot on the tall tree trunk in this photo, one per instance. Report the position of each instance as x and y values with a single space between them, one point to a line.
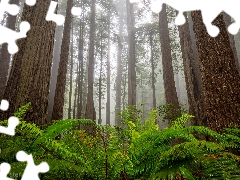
119 71
30 74
168 76
54 72
100 82
90 110
81 69
108 77
75 95
71 81
124 91
192 74
4 55
57 113
221 81
227 20
131 55
153 73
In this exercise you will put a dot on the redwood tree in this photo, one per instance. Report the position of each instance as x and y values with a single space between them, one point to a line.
30 74
57 113
90 110
4 55
168 76
221 81
131 55
192 74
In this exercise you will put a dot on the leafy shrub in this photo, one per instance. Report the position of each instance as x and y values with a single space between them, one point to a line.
133 150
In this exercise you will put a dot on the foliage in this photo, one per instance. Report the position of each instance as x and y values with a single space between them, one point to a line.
169 112
138 151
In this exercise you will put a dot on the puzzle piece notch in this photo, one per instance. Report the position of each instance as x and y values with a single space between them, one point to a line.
10 130
208 14
76 11
4 105
9 36
51 16
12 9
31 171
30 2
4 170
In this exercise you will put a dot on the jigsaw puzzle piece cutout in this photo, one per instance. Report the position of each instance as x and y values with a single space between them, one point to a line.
31 171
134 1
4 170
12 9
9 36
30 2
10 130
51 16
4 105
76 11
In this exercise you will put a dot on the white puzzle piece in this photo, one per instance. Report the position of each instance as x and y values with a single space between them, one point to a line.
31 2
210 10
4 105
4 170
9 36
76 11
51 16
10 130
6 7
31 171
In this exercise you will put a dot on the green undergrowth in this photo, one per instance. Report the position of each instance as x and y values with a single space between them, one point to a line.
131 151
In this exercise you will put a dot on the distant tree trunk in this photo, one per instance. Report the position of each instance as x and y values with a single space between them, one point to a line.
119 71
192 74
108 78
131 55
90 110
4 55
30 74
221 81
62 70
168 76
55 65
153 73
100 83
227 20
71 81
81 70
177 84
75 95
124 91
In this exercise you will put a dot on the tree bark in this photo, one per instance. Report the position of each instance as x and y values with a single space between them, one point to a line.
192 74
62 69
153 73
168 76
81 68
221 81
30 74
119 71
227 20
71 81
4 55
108 77
131 55
90 110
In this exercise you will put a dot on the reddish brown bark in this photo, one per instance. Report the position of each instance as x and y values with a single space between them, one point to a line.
30 74
168 76
192 75
221 81
57 113
5 56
